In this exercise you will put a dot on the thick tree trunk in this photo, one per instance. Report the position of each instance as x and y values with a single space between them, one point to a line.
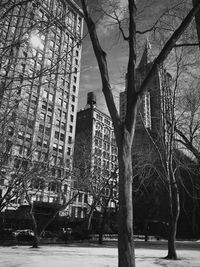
126 254
174 210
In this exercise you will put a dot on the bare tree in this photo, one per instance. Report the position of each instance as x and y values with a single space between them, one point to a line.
37 185
92 176
124 131
26 173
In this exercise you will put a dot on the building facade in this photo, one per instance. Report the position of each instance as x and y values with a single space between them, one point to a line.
155 105
40 71
95 147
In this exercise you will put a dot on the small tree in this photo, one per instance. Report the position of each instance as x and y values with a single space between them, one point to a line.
92 176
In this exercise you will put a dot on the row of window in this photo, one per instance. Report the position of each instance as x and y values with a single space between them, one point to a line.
72 21
106 145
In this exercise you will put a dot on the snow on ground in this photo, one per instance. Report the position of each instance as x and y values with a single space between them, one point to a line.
91 256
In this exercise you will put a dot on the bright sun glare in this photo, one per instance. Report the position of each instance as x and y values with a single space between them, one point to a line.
36 42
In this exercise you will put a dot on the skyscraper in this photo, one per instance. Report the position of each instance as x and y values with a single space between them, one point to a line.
155 104
95 152
40 70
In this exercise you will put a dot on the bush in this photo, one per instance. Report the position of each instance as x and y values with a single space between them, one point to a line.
80 234
25 236
6 234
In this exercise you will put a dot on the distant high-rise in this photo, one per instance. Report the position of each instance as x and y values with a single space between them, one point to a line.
155 103
95 147
39 71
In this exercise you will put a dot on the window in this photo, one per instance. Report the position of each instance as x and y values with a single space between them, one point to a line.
80 196
60 148
44 105
68 163
65 115
50 97
51 43
77 53
59 173
59 112
69 139
20 135
41 128
60 102
36 155
53 172
65 188
31 110
52 186
63 81
63 124
68 151
50 108
74 88
58 123
47 131
85 198
70 128
45 143
30 124
62 137
34 100
71 118
39 141
65 105
54 160
76 61
42 116
56 136
72 107
28 137
48 119
55 147
39 54
45 93
74 79
73 98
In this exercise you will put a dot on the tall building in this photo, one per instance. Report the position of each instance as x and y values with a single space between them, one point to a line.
95 151
155 104
40 70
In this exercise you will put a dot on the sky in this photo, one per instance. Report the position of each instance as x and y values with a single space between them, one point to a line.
116 50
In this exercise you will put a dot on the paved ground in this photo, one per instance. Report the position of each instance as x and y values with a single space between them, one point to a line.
90 255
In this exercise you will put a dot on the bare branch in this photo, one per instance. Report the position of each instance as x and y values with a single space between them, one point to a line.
168 48
102 62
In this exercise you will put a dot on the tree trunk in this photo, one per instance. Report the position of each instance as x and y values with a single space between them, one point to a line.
102 224
36 239
146 230
89 220
126 254
174 210
195 208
